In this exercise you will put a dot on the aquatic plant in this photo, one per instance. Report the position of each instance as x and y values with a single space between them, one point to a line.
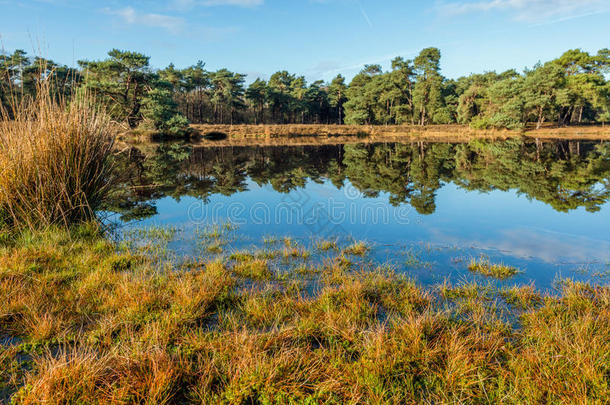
498 270
326 245
357 249
256 269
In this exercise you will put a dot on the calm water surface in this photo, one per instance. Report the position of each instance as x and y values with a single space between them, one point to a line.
425 209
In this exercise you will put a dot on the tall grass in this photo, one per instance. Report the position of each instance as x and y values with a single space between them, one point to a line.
54 159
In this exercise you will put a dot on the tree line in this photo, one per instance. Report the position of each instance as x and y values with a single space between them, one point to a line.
571 89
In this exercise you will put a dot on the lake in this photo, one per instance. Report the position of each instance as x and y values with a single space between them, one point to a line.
425 209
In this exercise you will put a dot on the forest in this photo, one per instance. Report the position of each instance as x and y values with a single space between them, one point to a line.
572 89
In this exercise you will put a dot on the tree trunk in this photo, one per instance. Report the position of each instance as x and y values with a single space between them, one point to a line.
540 117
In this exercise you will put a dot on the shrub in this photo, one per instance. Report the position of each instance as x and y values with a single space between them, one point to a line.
159 110
53 159
480 123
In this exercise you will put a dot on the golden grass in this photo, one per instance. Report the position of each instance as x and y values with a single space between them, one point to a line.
245 135
100 326
54 165
326 245
320 130
256 269
498 270
357 249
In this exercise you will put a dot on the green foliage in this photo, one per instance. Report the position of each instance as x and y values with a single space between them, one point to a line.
428 92
121 82
159 109
572 89
257 96
337 96
20 77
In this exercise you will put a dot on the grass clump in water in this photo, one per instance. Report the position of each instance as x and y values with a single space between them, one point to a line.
255 269
241 256
522 297
357 249
498 270
326 245
295 252
414 260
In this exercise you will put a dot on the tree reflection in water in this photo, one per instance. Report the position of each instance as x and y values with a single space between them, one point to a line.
565 174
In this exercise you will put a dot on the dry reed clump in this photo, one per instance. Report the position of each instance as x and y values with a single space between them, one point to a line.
54 159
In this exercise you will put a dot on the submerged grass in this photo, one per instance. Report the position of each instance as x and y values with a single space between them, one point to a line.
91 323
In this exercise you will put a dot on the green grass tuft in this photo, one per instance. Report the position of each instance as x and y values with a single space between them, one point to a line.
498 270
357 249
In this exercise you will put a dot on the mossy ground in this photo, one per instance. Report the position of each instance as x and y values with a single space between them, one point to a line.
86 321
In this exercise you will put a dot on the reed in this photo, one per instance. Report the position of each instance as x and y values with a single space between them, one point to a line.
54 159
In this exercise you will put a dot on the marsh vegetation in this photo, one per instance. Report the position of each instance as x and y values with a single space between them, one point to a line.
85 320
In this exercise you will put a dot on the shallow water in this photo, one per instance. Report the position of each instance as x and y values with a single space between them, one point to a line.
425 209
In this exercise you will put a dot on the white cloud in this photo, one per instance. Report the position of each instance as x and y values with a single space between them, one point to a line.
529 10
130 16
186 4
241 3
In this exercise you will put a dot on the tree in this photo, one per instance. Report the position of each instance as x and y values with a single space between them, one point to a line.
402 80
337 96
583 95
360 104
159 108
540 91
317 102
570 89
427 95
257 95
227 94
196 83
279 95
121 82
506 105
298 104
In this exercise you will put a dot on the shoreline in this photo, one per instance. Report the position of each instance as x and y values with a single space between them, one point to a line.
301 135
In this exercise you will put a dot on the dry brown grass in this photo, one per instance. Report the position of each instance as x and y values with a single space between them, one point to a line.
202 334
54 165
244 135
582 132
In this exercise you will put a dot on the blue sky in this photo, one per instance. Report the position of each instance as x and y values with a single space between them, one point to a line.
316 38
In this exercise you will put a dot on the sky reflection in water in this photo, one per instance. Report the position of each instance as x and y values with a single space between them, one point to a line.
540 207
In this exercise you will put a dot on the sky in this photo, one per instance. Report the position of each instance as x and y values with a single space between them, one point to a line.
315 38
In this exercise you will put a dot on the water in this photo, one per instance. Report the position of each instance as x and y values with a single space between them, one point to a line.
425 209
